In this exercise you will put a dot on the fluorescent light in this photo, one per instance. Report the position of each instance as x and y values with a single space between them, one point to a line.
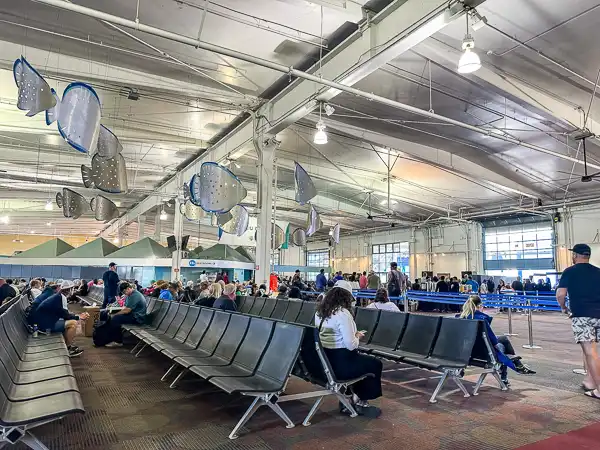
237 166
163 215
4 219
117 204
49 224
18 240
116 240
32 232
320 135
49 206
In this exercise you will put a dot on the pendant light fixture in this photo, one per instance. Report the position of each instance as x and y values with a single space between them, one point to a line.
49 206
163 214
469 62
320 135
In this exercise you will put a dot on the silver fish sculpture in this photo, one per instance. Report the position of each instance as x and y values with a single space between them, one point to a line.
238 224
298 237
107 174
335 233
108 144
52 113
191 212
103 208
79 117
216 189
73 205
314 222
35 94
304 186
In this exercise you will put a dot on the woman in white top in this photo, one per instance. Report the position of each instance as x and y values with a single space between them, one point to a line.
382 301
340 339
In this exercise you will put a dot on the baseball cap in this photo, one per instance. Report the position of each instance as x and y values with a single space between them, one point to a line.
344 285
66 284
582 249
112 264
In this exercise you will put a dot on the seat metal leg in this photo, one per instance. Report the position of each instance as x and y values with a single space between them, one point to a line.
257 403
312 411
135 347
344 401
438 388
32 442
461 386
168 372
479 383
178 378
141 349
275 407
499 380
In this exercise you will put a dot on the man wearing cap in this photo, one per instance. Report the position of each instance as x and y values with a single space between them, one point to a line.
133 312
580 281
111 284
51 315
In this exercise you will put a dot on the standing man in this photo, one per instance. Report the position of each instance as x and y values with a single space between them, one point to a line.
394 281
363 281
580 281
111 284
321 281
373 281
338 276
517 285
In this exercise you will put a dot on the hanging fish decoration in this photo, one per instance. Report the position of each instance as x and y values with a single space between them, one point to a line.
304 186
191 212
108 144
103 208
335 233
52 113
299 237
79 117
35 94
106 174
278 237
216 189
314 222
73 204
238 224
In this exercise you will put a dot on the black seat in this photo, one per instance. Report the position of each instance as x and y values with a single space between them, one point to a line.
292 311
418 339
211 338
25 362
280 309
182 333
145 334
248 355
388 332
259 302
267 310
307 313
239 301
157 339
247 306
366 320
174 348
153 320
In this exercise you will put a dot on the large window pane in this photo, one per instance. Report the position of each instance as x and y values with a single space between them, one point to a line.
397 247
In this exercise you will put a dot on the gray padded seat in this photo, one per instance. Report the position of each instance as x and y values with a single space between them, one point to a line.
257 307
292 311
388 332
227 347
182 333
269 307
418 339
174 348
210 339
248 355
146 335
307 313
366 319
162 308
171 330
35 363
247 305
275 365
280 309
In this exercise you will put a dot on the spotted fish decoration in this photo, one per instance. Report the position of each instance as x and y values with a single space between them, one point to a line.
74 205
304 186
335 233
107 174
191 212
278 237
35 94
79 117
216 189
314 222
238 224
299 237
52 113
108 144
103 208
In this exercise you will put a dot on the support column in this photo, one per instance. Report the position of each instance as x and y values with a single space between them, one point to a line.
141 225
120 236
157 226
177 232
266 156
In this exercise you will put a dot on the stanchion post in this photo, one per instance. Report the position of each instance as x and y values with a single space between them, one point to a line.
405 301
510 324
531 345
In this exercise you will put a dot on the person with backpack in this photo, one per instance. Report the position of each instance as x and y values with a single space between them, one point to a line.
394 281
133 312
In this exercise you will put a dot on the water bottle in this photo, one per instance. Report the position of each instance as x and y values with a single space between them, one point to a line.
35 330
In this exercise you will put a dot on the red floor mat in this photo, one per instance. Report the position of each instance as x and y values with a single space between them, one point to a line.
586 438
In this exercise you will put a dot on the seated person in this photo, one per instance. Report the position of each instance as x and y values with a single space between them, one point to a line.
226 302
35 288
339 338
189 294
204 290
169 292
473 309
215 292
261 291
81 291
295 293
134 312
48 291
282 291
52 315
382 301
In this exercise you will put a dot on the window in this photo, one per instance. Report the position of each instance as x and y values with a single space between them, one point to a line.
275 258
316 258
384 254
519 247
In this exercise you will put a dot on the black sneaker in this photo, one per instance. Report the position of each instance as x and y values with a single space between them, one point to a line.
74 351
366 410
506 382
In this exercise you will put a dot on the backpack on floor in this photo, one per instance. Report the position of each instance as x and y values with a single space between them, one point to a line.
102 334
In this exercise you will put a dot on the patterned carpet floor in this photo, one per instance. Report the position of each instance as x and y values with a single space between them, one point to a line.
129 408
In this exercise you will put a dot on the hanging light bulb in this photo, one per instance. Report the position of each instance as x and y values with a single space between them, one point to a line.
320 135
49 205
163 215
116 240
469 62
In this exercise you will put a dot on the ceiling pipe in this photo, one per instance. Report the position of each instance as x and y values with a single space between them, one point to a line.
62 4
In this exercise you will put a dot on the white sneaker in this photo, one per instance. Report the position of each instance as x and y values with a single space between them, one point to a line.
114 345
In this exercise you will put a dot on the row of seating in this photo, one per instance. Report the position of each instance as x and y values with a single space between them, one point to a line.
36 379
241 353
289 310
95 296
443 344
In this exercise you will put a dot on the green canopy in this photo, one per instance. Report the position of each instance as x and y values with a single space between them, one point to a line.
192 254
144 248
221 252
49 249
244 252
98 248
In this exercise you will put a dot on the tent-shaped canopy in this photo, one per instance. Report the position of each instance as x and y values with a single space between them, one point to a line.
192 254
49 249
244 252
144 248
98 248
221 252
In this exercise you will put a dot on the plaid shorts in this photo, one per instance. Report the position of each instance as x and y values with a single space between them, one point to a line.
586 329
